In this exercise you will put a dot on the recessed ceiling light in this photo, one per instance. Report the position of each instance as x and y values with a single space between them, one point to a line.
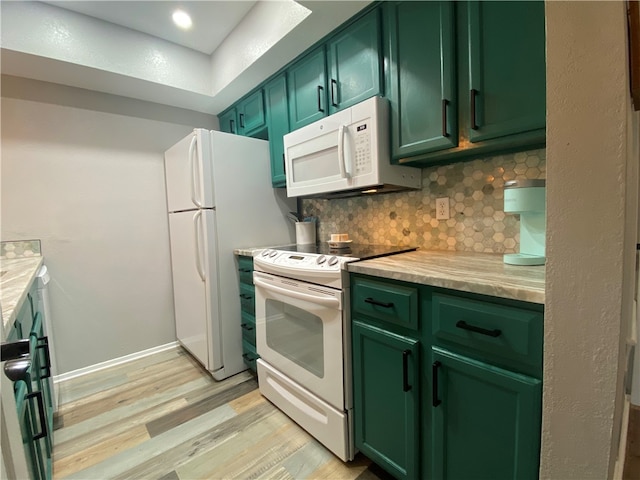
182 19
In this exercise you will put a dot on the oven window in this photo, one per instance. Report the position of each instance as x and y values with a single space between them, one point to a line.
296 334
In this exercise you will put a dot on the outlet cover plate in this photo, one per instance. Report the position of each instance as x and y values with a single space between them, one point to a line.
442 208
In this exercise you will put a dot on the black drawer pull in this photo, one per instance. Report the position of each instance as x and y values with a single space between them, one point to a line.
245 270
372 301
244 296
405 370
445 102
242 120
246 326
472 328
41 414
334 92
320 94
435 401
472 101
44 345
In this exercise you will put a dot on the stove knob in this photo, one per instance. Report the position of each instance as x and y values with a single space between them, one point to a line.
273 253
266 253
321 259
333 261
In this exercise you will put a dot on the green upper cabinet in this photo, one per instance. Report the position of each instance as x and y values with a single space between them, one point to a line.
422 89
506 80
386 372
486 421
338 74
465 78
307 86
228 121
251 115
354 63
275 94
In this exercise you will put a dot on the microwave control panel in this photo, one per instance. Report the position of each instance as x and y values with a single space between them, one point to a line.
362 149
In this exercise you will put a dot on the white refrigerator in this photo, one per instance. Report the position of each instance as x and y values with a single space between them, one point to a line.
219 197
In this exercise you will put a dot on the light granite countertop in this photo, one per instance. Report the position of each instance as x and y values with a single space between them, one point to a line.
483 273
16 280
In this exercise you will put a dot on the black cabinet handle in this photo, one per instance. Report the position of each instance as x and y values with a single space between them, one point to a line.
41 415
232 126
320 92
373 301
434 376
242 120
245 296
472 328
43 344
246 326
445 102
405 370
245 270
472 108
334 94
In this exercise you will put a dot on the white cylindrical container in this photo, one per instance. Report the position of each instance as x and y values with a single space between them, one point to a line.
305 233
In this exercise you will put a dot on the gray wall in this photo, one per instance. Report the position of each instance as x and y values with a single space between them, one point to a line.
83 172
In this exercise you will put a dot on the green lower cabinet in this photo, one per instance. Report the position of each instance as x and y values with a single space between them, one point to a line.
485 420
247 311
386 372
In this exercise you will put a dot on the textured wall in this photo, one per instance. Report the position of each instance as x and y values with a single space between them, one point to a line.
90 185
587 102
476 194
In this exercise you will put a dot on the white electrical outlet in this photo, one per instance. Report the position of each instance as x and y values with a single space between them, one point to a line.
442 208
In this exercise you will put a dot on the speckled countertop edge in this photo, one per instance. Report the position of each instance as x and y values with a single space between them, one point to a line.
482 273
14 285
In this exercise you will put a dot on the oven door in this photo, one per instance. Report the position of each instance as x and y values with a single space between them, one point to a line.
299 332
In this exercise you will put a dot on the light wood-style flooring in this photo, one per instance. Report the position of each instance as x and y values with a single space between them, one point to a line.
164 417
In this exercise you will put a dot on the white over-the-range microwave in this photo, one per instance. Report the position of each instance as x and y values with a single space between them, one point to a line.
346 154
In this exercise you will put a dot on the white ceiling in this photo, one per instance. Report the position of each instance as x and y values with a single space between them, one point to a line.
212 20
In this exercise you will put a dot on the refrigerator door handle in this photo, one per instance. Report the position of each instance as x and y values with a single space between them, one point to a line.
192 167
196 226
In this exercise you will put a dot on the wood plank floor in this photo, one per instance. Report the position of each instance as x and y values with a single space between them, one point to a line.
164 417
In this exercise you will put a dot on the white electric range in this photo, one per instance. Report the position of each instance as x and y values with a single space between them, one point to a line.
303 336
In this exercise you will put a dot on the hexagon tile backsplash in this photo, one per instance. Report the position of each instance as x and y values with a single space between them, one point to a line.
476 199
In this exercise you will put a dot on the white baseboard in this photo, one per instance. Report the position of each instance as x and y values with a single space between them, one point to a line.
63 377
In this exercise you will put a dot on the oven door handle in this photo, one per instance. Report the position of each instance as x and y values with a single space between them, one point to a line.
328 301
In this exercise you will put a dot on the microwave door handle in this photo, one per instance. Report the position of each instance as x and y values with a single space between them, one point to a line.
341 157
328 301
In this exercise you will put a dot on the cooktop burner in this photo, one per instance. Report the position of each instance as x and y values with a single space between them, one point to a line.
354 250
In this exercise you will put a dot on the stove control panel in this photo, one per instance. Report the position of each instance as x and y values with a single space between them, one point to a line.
303 261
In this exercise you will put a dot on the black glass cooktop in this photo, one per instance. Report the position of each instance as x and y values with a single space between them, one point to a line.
354 250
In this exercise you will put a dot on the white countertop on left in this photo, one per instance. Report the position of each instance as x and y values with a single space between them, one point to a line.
15 281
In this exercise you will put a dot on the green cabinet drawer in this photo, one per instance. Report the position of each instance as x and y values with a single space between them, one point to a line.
501 334
248 326
390 302
247 298
245 269
249 355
